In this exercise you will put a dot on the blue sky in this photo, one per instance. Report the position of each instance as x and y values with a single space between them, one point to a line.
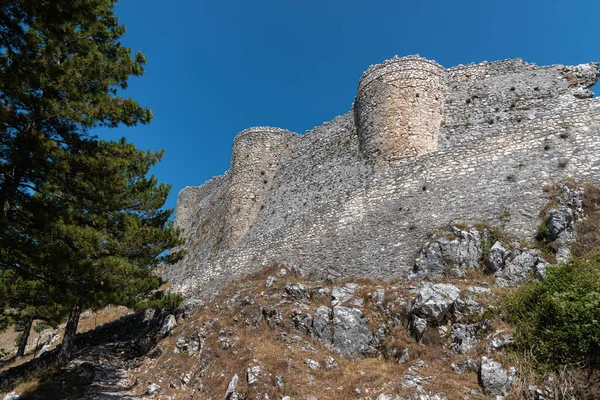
217 67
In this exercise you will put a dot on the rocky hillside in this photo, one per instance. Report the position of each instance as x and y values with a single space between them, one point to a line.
441 332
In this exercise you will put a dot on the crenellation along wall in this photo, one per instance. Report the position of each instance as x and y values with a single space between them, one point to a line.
255 159
330 212
398 110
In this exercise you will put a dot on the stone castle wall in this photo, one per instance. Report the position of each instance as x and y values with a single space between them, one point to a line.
328 211
255 159
399 108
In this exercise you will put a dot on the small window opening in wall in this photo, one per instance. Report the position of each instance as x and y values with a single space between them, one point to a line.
416 94
424 188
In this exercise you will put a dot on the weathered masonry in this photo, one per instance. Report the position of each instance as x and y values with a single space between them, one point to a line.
421 147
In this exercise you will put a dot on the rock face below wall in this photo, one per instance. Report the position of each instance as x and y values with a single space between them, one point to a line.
506 130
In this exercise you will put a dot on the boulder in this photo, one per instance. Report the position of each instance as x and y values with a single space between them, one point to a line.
560 223
330 363
417 327
320 324
494 379
230 393
312 364
302 321
468 365
464 337
351 335
272 315
404 357
456 251
518 269
168 325
153 388
253 372
496 257
499 342
434 302
297 292
343 294
467 307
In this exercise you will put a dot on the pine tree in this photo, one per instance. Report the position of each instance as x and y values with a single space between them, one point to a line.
81 224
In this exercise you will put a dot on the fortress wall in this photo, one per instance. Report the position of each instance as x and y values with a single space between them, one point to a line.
201 215
325 163
255 159
378 227
398 110
484 98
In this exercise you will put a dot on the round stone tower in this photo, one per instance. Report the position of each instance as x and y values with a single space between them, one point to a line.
255 158
399 109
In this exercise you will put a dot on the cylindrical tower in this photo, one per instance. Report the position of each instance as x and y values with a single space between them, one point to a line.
399 109
255 158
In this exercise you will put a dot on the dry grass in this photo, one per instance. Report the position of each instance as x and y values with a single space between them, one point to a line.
282 351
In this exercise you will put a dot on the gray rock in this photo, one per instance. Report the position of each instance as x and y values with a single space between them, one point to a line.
496 257
540 270
272 316
499 342
320 293
384 396
519 269
311 398
153 388
330 363
463 337
320 324
412 378
302 321
312 364
404 356
434 302
468 365
298 292
457 251
279 382
495 380
270 281
12 396
417 328
478 290
351 335
343 294
253 372
560 223
467 307
230 393
168 325
430 262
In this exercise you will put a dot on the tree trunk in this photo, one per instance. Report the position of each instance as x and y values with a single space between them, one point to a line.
24 337
66 350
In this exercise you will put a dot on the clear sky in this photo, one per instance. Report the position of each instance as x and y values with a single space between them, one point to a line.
218 67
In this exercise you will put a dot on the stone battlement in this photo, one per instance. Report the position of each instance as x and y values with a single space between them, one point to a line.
422 147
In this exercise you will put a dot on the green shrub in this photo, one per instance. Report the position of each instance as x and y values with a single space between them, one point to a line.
557 320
